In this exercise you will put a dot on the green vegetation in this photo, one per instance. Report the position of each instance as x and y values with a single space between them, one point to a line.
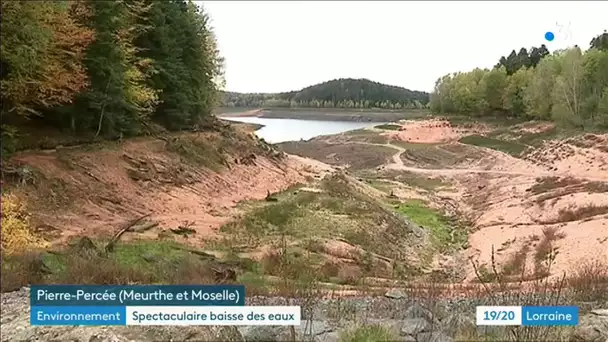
340 93
534 139
411 179
513 148
337 210
554 187
84 262
438 155
523 59
569 87
445 230
389 127
105 68
357 156
365 136
368 333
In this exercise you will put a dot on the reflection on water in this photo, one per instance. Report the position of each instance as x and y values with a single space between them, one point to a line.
280 130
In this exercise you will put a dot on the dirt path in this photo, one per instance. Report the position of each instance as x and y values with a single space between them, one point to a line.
397 164
495 195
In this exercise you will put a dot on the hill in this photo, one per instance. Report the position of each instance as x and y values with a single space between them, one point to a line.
339 93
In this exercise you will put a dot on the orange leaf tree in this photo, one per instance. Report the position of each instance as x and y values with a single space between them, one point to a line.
43 46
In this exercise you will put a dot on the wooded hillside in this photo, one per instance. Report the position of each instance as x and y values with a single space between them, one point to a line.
106 68
568 86
340 93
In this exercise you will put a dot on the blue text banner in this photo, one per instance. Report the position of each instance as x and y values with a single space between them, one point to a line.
78 315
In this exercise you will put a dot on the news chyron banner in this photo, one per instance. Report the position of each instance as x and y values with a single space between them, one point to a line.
94 305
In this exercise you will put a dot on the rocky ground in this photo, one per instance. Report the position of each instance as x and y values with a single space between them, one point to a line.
407 318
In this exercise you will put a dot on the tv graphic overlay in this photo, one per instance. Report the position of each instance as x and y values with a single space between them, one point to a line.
92 305
527 316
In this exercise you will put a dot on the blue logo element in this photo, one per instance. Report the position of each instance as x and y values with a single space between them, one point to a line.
549 316
549 36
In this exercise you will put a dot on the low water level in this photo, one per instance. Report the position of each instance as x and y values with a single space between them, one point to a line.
281 130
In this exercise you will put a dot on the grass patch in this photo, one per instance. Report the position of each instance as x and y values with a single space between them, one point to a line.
439 156
139 262
382 185
389 127
589 283
198 151
154 262
509 147
411 179
340 211
546 184
248 126
580 213
218 144
536 139
545 251
443 229
564 186
517 262
363 135
493 120
368 333
357 156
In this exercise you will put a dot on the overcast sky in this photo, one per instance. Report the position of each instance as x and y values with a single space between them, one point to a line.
281 46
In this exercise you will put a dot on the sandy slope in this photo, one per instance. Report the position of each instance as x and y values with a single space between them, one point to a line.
84 192
505 214
493 192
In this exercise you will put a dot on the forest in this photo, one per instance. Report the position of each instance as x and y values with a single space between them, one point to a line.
567 86
106 68
340 93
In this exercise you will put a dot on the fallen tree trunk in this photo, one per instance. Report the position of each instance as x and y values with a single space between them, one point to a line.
110 246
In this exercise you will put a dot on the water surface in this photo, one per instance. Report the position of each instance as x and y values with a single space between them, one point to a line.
281 130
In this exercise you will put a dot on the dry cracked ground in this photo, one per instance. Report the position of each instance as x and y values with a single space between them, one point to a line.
390 233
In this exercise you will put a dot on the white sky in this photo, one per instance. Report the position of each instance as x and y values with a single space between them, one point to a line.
276 46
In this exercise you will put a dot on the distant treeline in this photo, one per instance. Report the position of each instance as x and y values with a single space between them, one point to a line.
106 67
340 93
568 86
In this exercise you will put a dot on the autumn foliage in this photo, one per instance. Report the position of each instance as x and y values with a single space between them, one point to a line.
44 47
106 67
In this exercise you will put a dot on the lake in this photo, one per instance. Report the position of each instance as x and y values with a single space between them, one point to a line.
281 130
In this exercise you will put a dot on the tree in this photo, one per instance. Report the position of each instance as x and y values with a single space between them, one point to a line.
514 92
362 92
467 93
537 96
516 61
523 60
118 100
537 54
595 79
186 61
511 63
602 117
494 84
568 88
43 46
600 42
